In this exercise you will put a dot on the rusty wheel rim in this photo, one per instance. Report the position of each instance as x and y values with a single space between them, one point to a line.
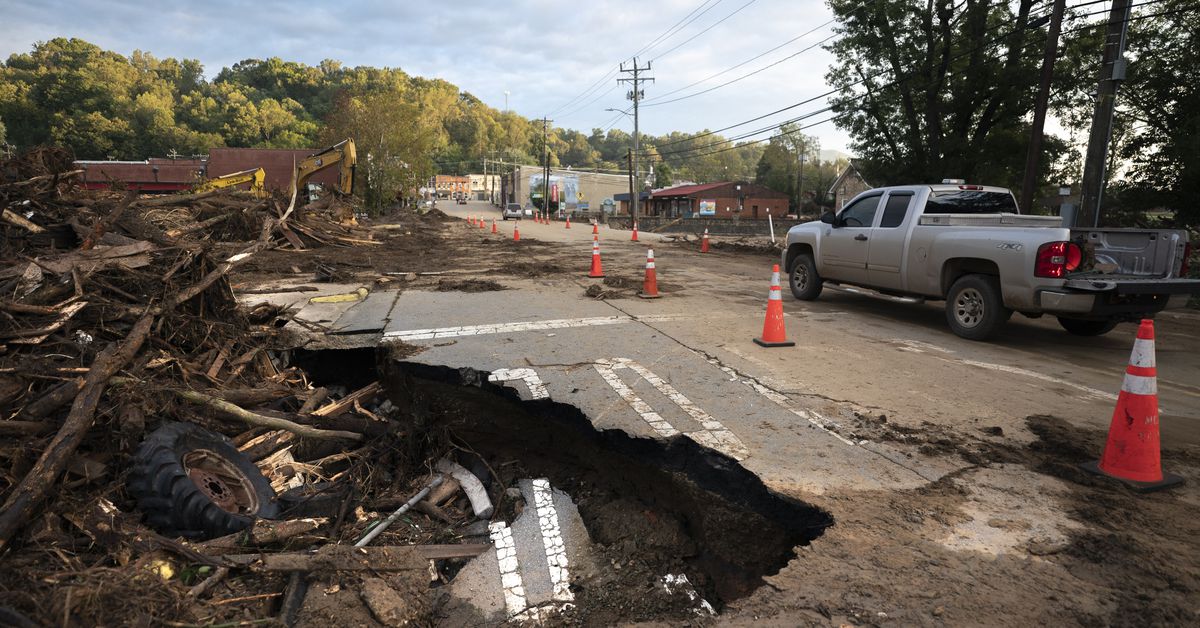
221 482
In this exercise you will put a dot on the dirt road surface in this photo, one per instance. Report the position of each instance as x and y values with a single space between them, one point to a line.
949 466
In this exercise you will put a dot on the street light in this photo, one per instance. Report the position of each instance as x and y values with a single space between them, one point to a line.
506 92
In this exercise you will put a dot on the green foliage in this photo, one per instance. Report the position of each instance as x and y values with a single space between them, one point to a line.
394 146
936 89
107 106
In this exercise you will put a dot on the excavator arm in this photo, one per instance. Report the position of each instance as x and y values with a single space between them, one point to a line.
255 177
341 154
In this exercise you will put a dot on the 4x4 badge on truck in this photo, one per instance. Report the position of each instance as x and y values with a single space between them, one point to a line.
1010 246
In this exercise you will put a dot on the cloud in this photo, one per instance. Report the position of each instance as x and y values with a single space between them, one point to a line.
545 53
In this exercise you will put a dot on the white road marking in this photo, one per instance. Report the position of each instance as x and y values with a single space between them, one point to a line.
510 569
537 389
652 418
715 435
507 328
815 419
556 551
1100 394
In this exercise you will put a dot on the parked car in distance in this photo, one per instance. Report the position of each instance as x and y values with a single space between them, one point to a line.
970 246
462 200
513 210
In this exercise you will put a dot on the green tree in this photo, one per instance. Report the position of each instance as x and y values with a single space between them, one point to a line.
934 89
394 144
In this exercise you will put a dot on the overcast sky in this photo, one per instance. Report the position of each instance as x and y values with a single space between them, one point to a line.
545 53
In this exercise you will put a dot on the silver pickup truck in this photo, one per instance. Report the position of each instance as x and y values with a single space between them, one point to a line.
970 246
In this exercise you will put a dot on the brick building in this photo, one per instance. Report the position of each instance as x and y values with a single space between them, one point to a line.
723 200
450 186
153 175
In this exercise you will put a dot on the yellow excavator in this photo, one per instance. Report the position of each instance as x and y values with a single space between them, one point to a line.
254 176
341 154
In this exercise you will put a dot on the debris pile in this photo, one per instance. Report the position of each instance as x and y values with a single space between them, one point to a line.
155 445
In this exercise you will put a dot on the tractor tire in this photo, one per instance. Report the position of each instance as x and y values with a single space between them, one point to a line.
194 483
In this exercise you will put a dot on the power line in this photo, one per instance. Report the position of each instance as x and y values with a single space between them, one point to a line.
754 58
614 71
822 95
744 76
680 25
659 56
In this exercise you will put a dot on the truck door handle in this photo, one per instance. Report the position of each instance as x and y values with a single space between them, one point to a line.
860 237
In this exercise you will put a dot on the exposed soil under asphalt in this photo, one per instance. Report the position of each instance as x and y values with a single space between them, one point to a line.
966 550
1131 559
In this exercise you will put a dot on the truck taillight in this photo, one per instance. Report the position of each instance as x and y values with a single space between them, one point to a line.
1056 259
1187 256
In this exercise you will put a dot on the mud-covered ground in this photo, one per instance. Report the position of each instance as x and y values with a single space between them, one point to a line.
1022 537
1018 536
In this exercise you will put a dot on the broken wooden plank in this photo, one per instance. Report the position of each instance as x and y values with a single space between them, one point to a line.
20 221
347 558
263 531
292 238
219 361
345 403
36 336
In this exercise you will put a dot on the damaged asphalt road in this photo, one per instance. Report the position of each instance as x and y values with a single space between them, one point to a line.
644 460
946 464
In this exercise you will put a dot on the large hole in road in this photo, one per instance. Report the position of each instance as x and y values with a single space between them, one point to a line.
652 507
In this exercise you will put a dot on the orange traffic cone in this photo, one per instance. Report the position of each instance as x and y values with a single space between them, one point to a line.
1132 452
595 228
773 333
568 223
482 224
704 242
516 232
650 285
494 226
634 238
597 272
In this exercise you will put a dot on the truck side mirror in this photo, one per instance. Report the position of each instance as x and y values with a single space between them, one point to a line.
829 218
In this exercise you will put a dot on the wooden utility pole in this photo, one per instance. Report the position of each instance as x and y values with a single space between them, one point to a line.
629 166
546 165
1033 157
1112 72
636 95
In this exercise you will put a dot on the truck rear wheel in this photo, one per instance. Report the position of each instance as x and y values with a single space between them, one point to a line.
1084 327
803 279
974 308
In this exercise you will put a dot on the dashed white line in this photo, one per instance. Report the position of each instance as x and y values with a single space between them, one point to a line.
715 434
510 569
652 418
537 389
552 540
815 419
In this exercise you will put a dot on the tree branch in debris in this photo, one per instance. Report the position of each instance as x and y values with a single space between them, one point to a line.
28 495
261 420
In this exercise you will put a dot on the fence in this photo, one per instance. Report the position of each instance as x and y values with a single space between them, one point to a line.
715 226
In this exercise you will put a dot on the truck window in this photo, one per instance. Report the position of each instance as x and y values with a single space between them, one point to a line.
895 209
860 213
970 202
